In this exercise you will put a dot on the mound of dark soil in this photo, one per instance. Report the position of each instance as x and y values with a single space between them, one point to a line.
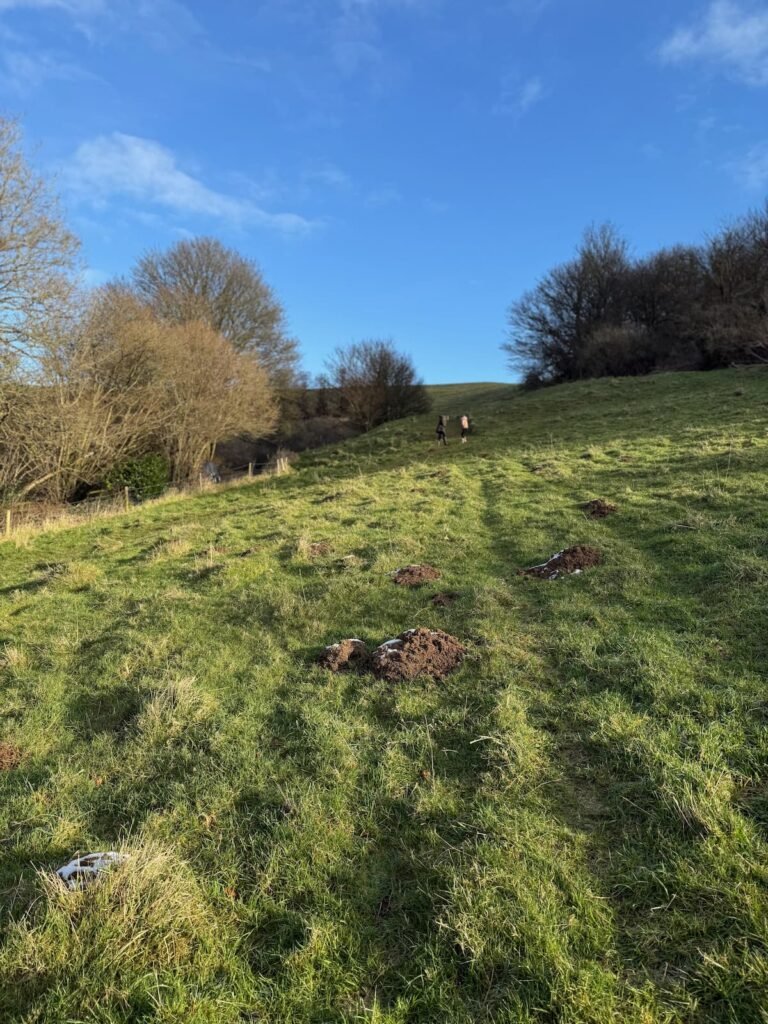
346 656
599 509
10 756
416 575
446 599
319 549
417 652
565 563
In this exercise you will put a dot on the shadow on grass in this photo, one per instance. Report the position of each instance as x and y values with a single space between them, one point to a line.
646 837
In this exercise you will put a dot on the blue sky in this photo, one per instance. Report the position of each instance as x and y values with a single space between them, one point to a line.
399 168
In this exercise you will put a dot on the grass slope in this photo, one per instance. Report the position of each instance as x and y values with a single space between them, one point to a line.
570 829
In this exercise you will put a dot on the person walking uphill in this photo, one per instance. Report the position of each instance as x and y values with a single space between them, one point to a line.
464 428
441 431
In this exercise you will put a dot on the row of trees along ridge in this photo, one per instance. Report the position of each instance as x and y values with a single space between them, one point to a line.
604 313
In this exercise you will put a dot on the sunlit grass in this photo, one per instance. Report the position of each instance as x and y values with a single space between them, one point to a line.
572 828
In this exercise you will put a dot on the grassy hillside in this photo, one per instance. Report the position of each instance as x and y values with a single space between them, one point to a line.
572 828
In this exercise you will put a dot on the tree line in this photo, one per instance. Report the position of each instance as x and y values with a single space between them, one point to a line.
189 349
686 307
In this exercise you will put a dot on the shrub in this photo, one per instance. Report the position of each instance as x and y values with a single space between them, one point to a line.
533 380
319 431
145 477
374 383
618 351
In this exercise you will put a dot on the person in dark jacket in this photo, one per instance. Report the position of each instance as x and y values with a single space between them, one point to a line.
441 431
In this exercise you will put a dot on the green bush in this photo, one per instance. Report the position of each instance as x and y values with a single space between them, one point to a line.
145 477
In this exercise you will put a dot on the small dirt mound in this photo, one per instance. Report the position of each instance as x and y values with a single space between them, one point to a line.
445 600
565 563
10 756
416 575
599 509
418 652
345 656
319 549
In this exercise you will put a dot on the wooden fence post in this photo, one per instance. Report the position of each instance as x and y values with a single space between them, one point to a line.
8 522
250 471
127 497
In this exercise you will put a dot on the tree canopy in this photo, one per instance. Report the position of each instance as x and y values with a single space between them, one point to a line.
200 279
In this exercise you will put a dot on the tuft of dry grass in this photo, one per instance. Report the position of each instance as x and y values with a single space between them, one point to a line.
14 659
142 934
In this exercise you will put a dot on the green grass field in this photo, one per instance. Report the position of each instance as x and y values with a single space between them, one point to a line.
570 829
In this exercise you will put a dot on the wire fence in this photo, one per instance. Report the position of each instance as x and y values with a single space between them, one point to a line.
22 519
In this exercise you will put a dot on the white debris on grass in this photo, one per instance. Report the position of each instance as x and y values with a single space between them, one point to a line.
390 646
352 640
556 574
81 871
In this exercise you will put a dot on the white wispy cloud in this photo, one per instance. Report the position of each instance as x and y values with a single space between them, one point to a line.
526 7
378 5
357 41
518 97
729 34
387 195
118 167
751 171
93 277
328 174
23 71
164 23
77 8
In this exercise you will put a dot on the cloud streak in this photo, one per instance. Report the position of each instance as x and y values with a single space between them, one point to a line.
751 172
117 167
729 35
162 22
517 97
23 72
77 8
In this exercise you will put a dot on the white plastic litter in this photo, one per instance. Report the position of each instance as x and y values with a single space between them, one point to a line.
556 574
83 870
335 647
390 646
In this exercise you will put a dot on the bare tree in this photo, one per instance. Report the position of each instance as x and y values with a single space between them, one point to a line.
37 257
735 320
375 383
200 279
551 325
80 412
212 393
120 384
37 252
189 386
86 384
684 307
